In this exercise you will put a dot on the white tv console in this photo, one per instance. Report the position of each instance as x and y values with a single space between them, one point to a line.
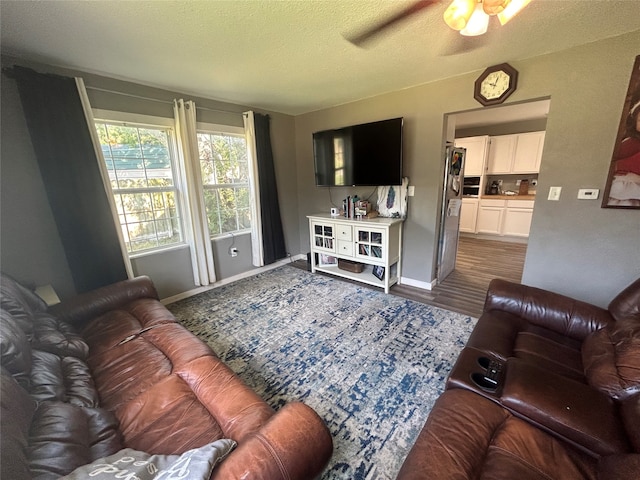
375 242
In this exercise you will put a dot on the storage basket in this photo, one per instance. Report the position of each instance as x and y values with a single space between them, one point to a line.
350 266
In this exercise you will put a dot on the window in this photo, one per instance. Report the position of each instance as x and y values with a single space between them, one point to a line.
225 178
139 161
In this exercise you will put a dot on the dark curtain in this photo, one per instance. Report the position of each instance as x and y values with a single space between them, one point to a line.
272 233
69 168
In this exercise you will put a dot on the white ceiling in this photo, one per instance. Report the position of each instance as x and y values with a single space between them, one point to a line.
288 56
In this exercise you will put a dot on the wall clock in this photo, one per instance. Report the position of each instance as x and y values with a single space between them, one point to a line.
495 84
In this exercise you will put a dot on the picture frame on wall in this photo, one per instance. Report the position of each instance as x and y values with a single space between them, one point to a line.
622 189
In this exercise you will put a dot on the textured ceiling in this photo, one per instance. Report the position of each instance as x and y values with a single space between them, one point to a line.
288 56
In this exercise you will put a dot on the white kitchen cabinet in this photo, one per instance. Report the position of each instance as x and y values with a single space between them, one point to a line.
476 154
469 215
374 242
490 216
501 151
517 218
528 153
520 153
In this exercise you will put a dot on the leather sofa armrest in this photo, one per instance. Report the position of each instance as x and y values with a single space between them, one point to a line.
567 316
81 308
579 414
294 444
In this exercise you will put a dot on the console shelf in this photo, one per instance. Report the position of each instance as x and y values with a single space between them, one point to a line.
377 243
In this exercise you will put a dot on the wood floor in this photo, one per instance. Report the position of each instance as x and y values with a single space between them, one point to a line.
478 262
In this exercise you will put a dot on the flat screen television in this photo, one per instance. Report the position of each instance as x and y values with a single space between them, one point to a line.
369 154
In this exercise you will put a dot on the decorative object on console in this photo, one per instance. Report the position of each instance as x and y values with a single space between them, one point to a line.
495 84
392 200
324 260
623 183
378 271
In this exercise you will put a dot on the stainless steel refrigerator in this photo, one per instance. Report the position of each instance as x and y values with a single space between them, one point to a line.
450 211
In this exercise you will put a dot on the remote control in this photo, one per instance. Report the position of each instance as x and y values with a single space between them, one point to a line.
493 372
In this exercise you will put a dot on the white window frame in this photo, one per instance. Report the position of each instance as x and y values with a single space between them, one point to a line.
214 128
139 120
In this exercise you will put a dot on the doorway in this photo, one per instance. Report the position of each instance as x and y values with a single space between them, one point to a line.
504 147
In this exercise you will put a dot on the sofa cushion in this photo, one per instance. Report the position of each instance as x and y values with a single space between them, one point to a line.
467 436
20 302
611 359
66 379
16 413
55 336
64 436
15 349
195 464
144 329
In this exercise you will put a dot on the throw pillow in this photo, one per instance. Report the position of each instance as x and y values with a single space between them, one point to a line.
128 463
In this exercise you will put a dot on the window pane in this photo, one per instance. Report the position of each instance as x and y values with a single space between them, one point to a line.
223 163
242 197
139 158
211 204
244 218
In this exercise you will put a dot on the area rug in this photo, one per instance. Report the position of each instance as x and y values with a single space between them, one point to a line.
370 364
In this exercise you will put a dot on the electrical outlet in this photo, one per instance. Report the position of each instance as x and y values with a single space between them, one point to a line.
233 251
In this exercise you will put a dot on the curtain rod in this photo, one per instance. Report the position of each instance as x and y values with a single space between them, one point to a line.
98 89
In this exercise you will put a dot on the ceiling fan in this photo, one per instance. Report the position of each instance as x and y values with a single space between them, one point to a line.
469 17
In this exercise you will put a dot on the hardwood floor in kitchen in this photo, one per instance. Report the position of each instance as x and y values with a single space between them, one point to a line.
479 261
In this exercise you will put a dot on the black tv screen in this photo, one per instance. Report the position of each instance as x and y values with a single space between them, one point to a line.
360 155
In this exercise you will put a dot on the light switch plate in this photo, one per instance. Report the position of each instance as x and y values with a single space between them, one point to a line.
588 193
554 193
411 190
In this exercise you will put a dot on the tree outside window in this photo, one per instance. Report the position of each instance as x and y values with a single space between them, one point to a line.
225 178
139 165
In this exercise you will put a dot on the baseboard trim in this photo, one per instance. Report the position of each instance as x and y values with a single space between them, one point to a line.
418 283
235 278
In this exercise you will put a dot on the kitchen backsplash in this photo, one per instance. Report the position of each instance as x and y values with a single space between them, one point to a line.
510 183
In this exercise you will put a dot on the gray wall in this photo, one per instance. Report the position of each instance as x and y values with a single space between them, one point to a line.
575 247
30 246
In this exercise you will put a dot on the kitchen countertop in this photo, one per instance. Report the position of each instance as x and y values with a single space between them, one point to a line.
509 197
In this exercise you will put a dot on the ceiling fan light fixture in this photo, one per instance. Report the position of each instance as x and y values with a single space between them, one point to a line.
478 23
458 13
493 7
512 9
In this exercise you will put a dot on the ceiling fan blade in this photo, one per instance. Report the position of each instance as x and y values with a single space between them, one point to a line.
360 38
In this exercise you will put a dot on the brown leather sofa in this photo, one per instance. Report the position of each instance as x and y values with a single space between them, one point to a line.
133 377
547 387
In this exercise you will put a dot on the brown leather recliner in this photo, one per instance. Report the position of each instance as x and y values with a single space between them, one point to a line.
547 388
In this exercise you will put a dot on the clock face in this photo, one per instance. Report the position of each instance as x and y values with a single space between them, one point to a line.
494 85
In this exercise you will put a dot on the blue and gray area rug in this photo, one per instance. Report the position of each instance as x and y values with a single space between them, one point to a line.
370 364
